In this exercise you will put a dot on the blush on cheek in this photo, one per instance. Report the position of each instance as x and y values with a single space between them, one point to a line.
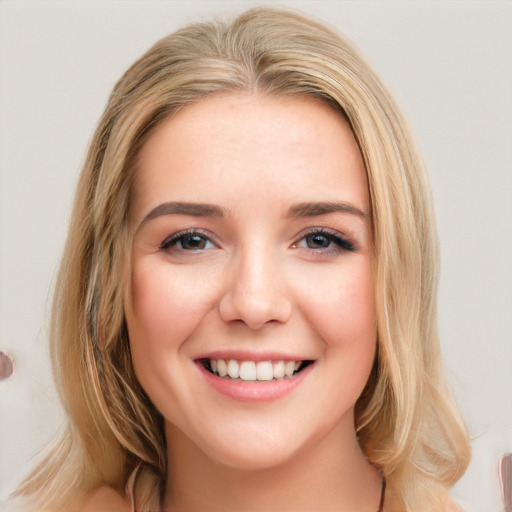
166 304
346 314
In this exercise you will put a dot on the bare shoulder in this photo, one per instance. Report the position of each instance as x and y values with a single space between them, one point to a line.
106 499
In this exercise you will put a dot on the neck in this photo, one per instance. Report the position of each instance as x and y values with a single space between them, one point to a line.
333 476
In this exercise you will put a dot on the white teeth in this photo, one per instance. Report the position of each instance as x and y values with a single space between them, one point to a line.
222 368
233 369
278 370
248 370
253 371
264 370
289 368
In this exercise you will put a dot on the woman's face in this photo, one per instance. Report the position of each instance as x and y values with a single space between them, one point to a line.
251 255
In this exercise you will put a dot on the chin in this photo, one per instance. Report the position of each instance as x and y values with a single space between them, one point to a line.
249 459
256 447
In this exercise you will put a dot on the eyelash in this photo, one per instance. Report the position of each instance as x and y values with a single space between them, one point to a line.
190 233
331 236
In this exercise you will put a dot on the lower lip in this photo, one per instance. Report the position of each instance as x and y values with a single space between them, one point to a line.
254 391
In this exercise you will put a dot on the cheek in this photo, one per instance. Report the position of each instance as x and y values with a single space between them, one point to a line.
163 300
341 312
164 309
342 309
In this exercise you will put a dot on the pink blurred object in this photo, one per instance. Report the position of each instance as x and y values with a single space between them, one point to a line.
6 366
505 470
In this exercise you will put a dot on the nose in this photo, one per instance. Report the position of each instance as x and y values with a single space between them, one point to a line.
256 292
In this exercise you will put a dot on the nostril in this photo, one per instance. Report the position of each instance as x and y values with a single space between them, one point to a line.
255 310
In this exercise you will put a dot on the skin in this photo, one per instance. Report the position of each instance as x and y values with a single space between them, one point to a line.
254 281
258 286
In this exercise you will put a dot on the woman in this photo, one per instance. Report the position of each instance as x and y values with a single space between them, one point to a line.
245 317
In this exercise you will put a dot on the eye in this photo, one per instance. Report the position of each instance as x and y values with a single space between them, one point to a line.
325 241
188 241
318 241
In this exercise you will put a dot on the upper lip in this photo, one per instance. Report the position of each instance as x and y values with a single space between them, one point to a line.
246 355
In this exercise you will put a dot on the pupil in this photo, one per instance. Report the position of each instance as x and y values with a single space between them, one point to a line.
316 241
193 242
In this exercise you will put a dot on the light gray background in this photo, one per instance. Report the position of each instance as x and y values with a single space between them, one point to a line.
448 64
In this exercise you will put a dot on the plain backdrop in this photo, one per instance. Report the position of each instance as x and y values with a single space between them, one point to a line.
448 64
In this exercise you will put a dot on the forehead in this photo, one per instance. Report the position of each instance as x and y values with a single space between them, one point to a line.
231 146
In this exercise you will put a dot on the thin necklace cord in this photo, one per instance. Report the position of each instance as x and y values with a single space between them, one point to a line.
131 482
382 495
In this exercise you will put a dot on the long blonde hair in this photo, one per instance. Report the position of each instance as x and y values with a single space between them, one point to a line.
407 422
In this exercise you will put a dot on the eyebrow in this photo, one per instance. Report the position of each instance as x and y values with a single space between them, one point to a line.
300 210
314 209
179 208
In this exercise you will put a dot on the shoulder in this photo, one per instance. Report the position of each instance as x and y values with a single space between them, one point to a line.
106 499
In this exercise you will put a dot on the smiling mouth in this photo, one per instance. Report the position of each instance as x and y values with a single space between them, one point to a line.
253 371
